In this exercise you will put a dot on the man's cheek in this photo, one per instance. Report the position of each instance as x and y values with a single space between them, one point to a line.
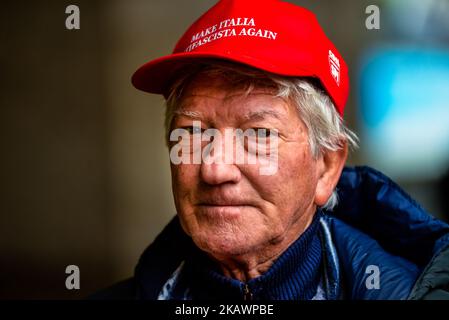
184 175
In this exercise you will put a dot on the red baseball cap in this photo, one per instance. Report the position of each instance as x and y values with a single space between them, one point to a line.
270 35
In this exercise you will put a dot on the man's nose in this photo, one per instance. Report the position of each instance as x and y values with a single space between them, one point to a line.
218 173
219 167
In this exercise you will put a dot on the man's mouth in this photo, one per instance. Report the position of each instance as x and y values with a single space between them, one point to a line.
229 208
225 203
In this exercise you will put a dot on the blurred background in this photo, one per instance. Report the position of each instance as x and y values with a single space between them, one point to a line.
84 170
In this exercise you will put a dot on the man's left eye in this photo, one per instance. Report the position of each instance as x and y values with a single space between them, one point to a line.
262 132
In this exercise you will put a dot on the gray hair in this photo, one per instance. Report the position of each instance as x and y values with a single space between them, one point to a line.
326 129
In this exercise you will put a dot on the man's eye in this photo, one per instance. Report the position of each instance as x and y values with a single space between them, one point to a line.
193 130
261 132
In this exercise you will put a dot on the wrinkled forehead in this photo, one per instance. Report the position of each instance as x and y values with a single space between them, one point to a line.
226 88
213 101
204 83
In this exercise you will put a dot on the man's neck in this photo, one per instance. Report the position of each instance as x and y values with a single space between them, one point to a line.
254 264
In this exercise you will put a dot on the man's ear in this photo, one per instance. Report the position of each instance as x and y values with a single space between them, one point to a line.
330 166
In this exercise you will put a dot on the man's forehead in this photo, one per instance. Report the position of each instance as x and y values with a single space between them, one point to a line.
250 115
225 96
222 87
255 105
248 101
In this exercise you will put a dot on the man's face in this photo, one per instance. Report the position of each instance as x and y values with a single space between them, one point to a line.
230 209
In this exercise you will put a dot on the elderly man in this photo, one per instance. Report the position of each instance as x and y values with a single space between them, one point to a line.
266 210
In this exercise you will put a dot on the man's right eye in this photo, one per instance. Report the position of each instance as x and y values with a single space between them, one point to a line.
193 130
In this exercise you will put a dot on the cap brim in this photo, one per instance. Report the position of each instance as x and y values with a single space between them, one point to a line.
155 76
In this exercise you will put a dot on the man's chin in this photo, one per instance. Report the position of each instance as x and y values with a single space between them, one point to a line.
225 245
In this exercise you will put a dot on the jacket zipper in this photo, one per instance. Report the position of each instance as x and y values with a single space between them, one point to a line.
247 294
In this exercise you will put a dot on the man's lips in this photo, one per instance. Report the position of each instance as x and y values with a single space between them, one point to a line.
227 203
226 210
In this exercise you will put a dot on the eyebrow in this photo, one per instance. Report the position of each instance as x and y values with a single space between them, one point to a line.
251 116
262 114
189 114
